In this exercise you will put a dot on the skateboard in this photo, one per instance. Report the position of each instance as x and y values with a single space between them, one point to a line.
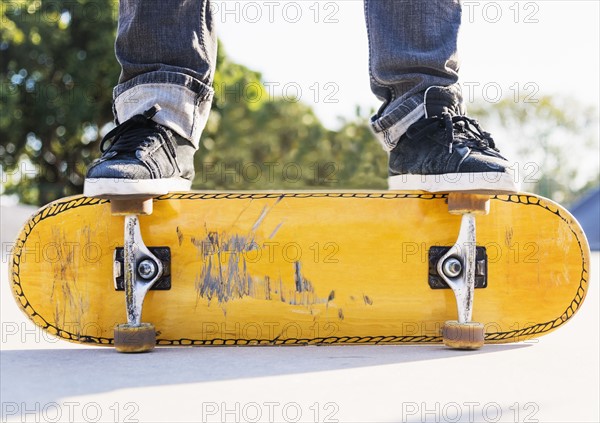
298 268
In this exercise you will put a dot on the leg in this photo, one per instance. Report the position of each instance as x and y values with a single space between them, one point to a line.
167 56
162 101
412 46
414 70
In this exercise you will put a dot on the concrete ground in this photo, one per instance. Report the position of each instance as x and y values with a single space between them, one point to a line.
553 379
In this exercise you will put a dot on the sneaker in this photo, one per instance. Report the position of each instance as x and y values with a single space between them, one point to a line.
447 151
141 157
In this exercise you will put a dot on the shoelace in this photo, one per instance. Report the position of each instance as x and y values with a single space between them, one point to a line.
473 135
126 137
470 132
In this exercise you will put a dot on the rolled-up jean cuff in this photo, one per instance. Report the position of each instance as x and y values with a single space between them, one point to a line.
185 102
393 124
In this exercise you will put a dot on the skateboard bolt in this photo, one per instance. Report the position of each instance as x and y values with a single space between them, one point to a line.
147 269
452 267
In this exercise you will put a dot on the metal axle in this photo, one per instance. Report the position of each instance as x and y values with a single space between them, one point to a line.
457 267
141 270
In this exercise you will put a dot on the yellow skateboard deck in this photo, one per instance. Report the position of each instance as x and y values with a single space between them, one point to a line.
300 268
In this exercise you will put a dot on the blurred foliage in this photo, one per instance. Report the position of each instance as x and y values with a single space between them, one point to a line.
553 142
56 80
56 77
254 140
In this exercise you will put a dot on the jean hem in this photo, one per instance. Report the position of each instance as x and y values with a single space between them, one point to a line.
394 123
184 107
163 77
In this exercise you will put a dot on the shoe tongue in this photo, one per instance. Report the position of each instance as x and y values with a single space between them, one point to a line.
440 100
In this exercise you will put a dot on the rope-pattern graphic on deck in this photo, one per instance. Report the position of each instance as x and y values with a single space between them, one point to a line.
60 206
583 282
305 341
52 209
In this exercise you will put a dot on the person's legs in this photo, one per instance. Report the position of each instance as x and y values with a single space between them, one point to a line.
412 46
414 70
167 53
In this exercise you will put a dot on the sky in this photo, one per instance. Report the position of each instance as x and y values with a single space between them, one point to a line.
317 50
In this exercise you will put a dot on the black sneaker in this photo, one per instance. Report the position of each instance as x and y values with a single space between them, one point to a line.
141 157
447 151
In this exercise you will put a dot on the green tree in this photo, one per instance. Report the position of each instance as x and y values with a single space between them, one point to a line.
56 80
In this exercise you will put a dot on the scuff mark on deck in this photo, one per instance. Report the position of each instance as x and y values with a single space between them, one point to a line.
224 272
508 236
69 298
260 219
302 284
179 235
265 211
224 276
275 230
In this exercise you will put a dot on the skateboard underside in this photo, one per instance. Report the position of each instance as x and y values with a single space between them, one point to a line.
301 268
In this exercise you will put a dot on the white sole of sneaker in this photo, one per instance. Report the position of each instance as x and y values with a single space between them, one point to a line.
106 187
484 182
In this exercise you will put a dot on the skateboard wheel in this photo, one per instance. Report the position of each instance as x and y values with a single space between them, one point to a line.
135 339
463 336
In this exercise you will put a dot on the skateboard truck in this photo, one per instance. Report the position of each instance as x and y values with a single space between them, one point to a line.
458 267
141 270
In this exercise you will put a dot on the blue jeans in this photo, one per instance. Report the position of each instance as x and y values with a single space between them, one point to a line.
168 57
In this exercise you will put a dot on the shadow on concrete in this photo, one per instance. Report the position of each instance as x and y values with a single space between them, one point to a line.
45 376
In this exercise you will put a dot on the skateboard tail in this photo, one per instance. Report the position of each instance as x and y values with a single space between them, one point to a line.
580 276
